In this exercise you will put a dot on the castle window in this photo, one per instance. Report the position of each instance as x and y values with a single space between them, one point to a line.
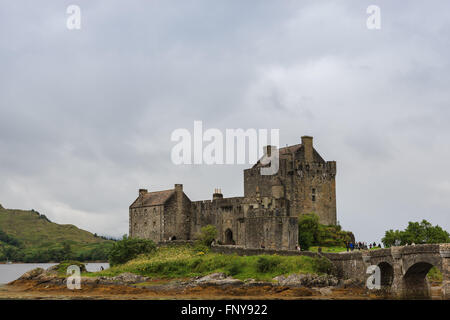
313 197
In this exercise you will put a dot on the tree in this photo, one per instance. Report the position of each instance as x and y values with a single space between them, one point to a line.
67 251
128 249
416 232
207 235
308 230
312 233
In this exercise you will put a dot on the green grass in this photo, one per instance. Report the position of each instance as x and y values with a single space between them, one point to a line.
328 249
182 262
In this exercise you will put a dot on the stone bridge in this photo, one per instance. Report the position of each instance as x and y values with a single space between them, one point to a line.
403 269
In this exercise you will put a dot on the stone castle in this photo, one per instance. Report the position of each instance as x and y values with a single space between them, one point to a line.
266 216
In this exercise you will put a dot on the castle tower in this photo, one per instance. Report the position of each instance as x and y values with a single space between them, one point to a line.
308 181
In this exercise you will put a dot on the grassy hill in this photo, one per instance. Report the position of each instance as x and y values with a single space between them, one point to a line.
30 237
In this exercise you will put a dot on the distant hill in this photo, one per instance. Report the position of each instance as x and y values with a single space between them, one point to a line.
27 235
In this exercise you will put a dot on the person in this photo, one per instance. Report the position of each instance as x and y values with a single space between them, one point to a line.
262 245
347 246
101 268
370 246
351 246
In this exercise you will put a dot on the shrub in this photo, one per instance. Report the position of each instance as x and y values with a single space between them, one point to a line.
200 247
234 268
207 235
128 249
308 230
323 265
267 264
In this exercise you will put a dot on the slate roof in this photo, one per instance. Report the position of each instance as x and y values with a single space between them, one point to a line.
153 198
294 149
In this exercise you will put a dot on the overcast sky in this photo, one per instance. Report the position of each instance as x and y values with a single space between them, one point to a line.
86 115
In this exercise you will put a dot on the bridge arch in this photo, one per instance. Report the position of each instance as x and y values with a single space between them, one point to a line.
387 274
415 283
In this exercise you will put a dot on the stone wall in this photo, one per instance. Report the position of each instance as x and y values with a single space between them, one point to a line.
180 243
146 222
242 251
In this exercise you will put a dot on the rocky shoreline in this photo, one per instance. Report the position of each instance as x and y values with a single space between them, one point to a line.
48 284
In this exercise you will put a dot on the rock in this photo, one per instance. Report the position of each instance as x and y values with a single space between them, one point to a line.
351 283
217 279
125 278
326 291
32 274
212 277
307 280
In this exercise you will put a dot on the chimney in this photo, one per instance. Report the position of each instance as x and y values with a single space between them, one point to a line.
217 194
307 143
178 188
142 192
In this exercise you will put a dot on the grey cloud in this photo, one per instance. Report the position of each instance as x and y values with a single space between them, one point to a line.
86 116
